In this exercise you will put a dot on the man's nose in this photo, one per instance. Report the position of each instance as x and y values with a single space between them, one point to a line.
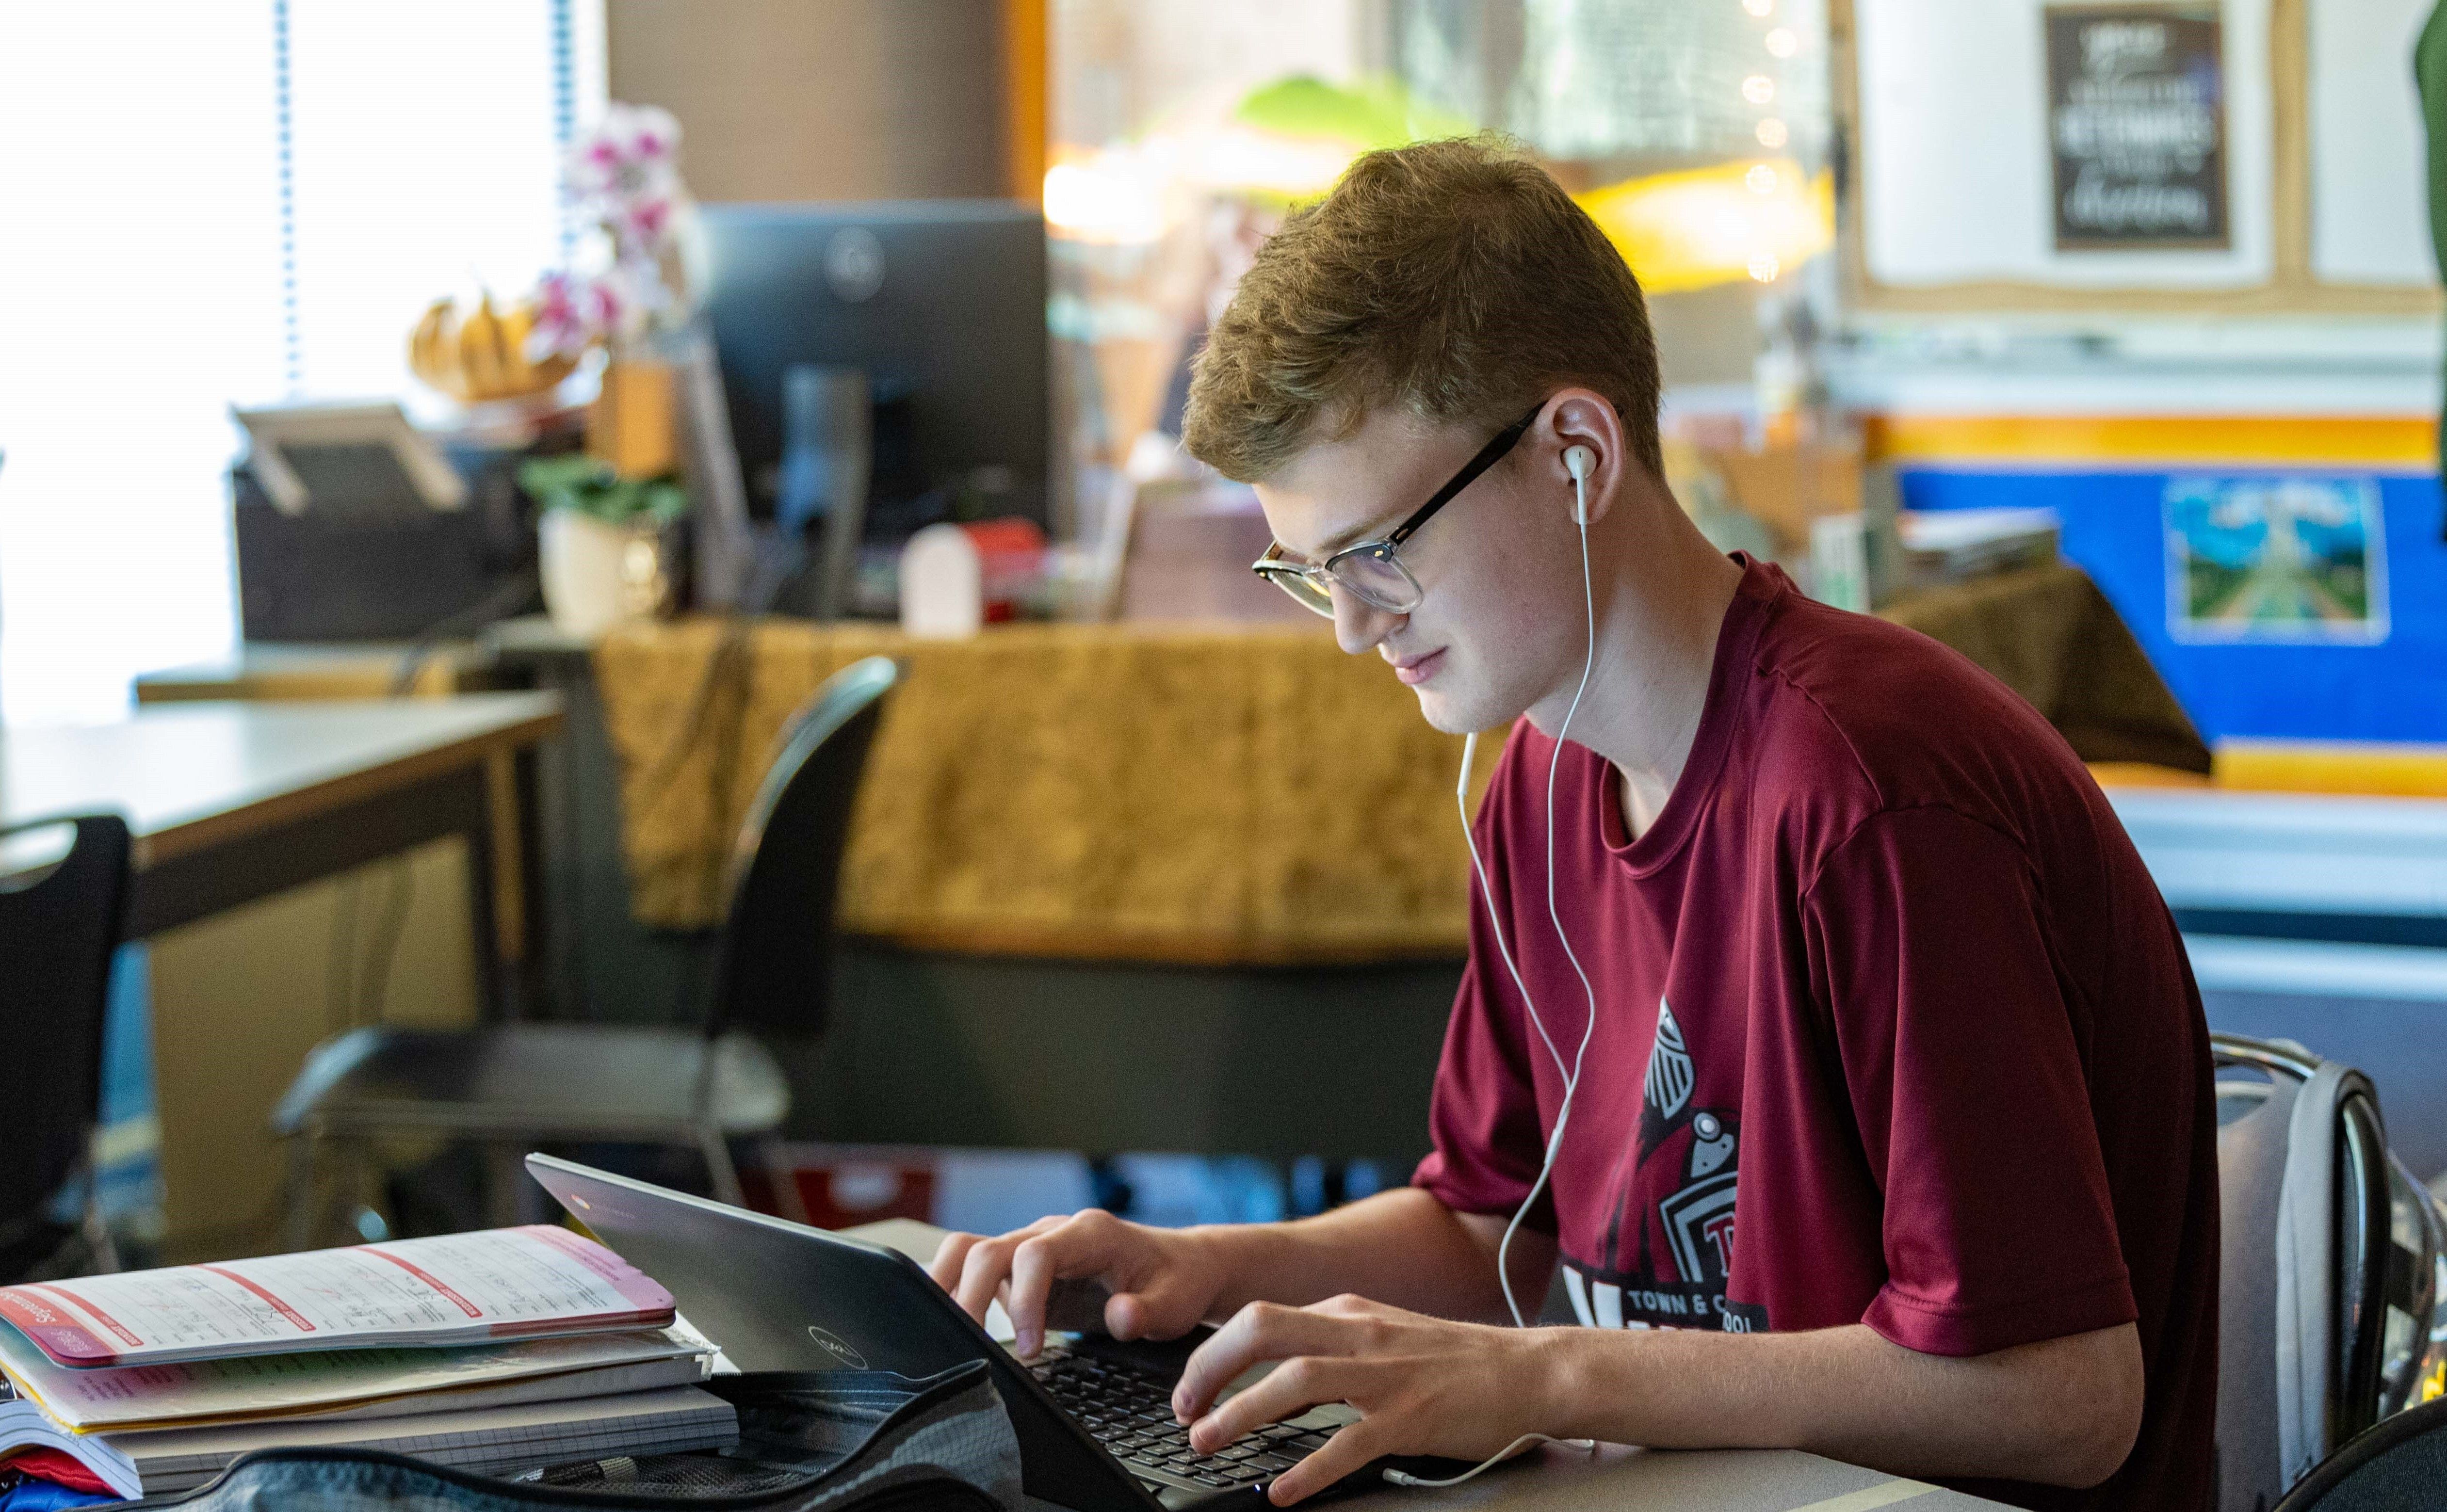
1358 625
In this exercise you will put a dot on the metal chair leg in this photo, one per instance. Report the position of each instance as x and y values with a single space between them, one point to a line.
787 1196
299 1200
98 1244
717 1162
506 1182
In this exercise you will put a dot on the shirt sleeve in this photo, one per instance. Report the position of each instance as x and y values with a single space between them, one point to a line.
1482 1114
1966 1073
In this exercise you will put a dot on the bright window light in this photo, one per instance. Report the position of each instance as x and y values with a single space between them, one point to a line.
141 164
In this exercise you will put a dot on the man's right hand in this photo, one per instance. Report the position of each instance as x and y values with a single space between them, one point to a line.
1163 1282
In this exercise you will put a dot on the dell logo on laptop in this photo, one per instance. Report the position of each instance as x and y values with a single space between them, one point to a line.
834 1345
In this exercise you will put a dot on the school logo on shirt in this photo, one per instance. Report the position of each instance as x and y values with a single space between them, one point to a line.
1699 1218
1669 1065
1669 1245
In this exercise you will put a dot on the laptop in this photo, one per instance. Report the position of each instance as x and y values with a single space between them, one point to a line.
1093 1415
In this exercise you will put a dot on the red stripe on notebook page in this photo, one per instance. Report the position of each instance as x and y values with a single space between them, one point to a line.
633 1284
464 1306
279 1306
98 1314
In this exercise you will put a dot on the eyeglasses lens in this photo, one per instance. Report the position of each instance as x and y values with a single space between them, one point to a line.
1381 580
1306 591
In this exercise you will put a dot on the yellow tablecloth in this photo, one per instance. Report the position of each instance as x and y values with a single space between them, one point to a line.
1229 793
1242 794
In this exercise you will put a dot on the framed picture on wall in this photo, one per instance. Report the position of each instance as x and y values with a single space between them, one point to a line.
2276 557
2136 126
2103 157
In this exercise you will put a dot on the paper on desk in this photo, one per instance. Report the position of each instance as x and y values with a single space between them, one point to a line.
455 1289
344 1382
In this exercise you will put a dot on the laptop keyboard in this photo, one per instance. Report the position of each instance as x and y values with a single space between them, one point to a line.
1129 1412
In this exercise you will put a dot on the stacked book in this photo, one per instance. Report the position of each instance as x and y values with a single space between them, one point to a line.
1942 546
498 1352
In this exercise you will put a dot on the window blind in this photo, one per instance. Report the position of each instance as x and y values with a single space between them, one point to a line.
234 201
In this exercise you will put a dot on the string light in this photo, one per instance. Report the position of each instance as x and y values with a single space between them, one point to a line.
1759 90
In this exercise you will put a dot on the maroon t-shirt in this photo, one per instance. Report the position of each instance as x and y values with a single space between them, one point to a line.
1892 1027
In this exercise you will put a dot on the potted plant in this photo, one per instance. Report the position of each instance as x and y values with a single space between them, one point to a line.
606 547
605 542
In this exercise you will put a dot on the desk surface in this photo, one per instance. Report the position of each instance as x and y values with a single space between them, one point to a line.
187 777
1617 1477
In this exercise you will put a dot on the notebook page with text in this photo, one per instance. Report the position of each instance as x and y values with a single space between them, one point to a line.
450 1290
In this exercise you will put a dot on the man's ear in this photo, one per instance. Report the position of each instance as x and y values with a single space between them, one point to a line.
1580 416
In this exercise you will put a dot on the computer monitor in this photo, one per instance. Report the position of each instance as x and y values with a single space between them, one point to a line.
941 303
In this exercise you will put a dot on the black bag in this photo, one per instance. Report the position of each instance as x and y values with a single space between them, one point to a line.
809 1441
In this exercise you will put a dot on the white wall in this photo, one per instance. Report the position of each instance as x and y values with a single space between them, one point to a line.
1954 160
1955 165
2368 186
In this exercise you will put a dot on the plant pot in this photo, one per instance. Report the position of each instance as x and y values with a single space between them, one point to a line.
596 573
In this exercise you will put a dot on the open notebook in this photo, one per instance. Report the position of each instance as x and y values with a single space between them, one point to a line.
457 1288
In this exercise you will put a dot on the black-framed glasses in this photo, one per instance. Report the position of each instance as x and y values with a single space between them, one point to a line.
1372 568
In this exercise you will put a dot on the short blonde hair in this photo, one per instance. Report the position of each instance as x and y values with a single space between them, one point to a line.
1453 279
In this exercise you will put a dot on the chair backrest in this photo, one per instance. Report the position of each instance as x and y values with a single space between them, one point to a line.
60 918
2328 1258
2402 1463
774 962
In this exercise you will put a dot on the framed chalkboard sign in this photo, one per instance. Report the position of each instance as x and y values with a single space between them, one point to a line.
2136 125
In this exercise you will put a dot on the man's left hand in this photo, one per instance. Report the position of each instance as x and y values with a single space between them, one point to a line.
1422 1385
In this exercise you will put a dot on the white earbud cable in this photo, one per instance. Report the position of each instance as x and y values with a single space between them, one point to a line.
1571 1075
1406 1478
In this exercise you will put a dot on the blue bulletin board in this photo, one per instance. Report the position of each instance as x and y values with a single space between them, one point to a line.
2284 603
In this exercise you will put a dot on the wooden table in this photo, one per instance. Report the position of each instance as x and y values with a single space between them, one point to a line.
311 669
231 802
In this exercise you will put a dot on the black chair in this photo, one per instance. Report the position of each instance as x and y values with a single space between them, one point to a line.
512 1086
2329 1253
60 919
2401 1465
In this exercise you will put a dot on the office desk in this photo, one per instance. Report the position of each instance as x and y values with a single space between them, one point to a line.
1237 795
1616 1479
231 802
308 669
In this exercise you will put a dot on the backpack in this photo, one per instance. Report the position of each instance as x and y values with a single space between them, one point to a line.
2331 1316
809 1441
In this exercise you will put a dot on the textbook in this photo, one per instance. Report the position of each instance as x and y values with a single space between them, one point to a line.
487 1440
362 1383
456 1289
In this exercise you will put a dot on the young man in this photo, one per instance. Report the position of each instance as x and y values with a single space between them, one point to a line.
1895 1137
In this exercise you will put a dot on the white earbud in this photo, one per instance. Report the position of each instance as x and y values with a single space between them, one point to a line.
1578 461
